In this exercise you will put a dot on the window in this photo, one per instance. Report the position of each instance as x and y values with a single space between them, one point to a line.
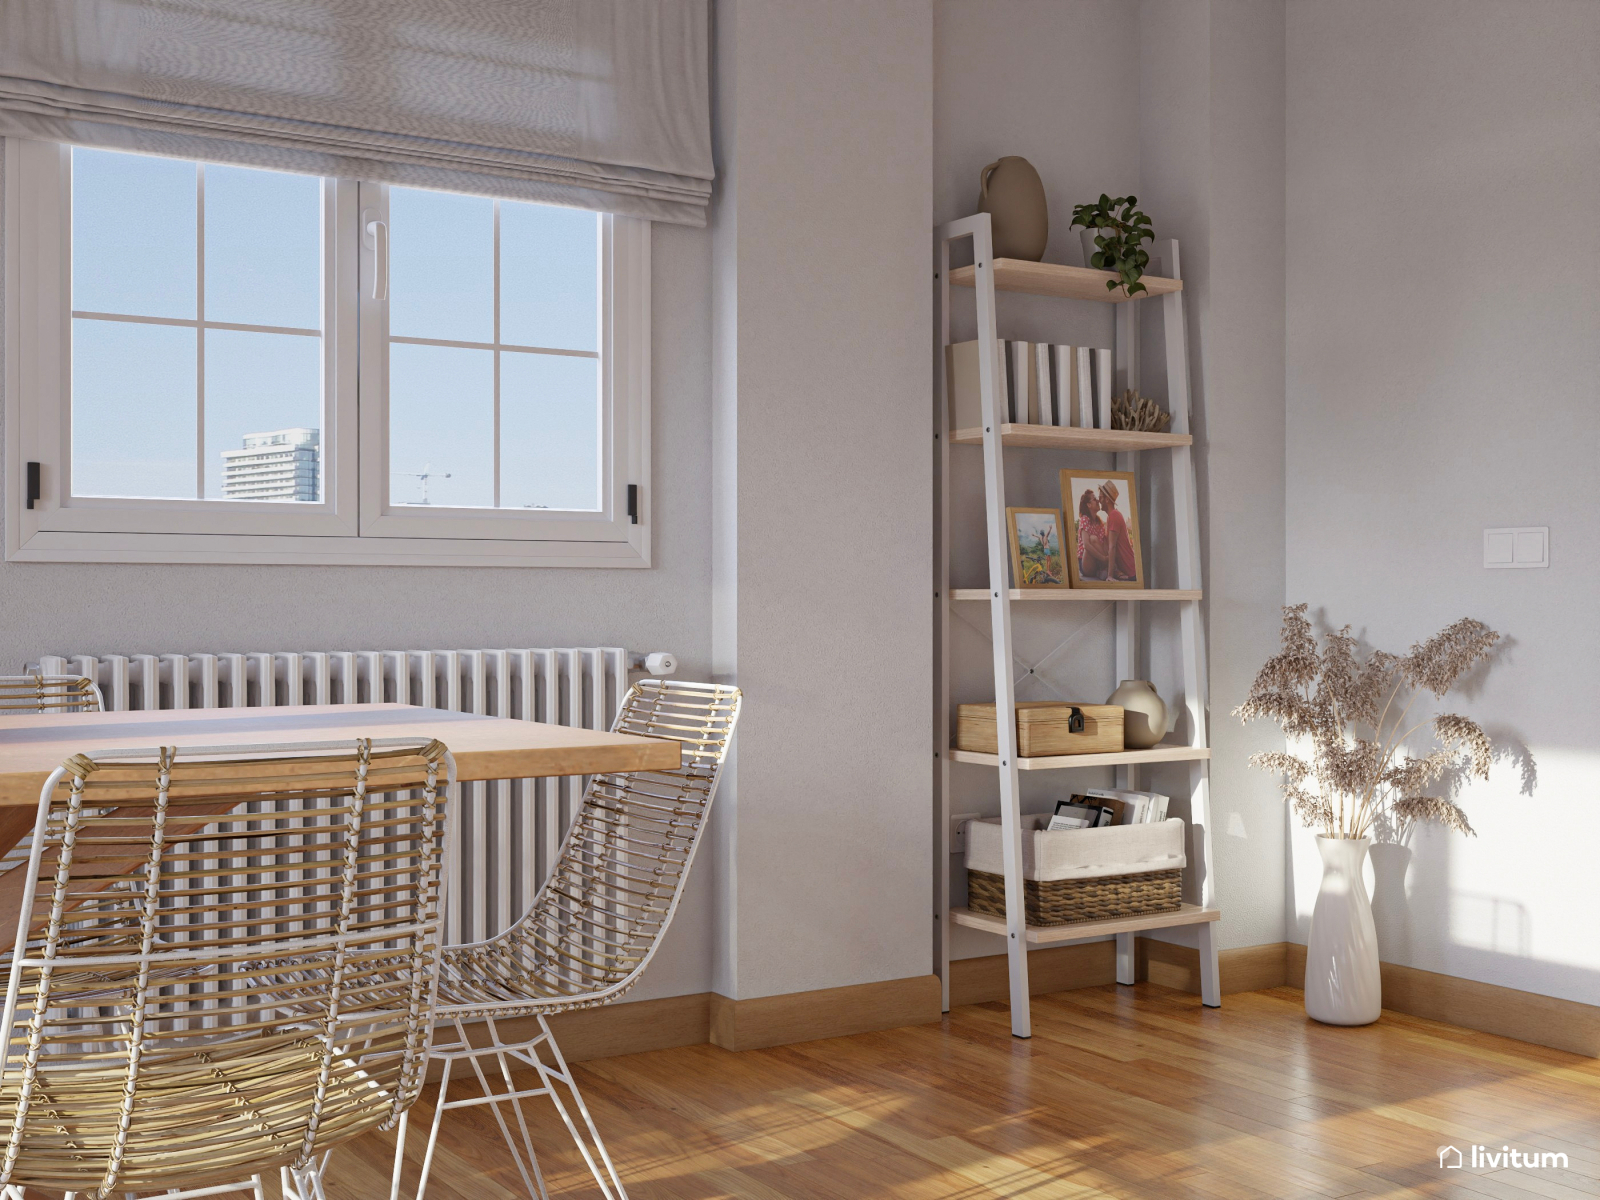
220 363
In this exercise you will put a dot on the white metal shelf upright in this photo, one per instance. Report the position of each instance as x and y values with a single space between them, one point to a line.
985 276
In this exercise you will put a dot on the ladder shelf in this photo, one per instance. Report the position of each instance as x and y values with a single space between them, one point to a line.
986 277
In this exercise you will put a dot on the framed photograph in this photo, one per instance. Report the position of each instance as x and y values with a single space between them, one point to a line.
1102 511
1036 557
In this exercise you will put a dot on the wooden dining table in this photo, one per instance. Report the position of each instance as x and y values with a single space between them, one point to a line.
34 744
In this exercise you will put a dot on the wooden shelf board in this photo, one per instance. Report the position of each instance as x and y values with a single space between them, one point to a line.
1059 762
1052 437
1189 914
1053 593
1053 279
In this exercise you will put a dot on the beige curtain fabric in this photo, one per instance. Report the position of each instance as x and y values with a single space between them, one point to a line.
600 104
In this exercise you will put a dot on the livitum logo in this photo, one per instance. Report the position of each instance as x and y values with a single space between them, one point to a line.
1484 1158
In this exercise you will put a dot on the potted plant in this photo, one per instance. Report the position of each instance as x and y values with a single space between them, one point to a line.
1113 229
1355 718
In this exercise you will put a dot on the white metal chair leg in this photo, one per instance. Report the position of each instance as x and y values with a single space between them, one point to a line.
564 1074
399 1155
537 1183
433 1134
534 1188
304 1183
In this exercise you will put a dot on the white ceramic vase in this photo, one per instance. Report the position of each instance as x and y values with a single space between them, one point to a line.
1343 986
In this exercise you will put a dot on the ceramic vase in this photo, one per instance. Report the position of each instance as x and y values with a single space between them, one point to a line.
1343 986
1010 191
1144 713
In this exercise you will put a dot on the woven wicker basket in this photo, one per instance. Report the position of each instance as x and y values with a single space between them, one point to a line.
1069 901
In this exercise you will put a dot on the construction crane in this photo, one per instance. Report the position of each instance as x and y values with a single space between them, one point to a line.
423 476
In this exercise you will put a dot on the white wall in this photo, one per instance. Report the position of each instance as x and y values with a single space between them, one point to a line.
60 608
823 561
1443 351
1212 141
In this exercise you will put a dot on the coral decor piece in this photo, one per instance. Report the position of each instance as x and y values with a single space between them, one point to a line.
1360 779
1140 414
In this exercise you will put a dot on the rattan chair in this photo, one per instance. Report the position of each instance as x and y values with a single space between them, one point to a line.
43 693
591 930
227 966
49 693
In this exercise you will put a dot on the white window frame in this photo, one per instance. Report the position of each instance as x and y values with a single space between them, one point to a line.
354 523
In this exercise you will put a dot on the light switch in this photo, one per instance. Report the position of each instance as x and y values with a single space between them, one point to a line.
1528 546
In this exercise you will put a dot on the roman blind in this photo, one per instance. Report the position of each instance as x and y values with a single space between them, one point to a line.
599 104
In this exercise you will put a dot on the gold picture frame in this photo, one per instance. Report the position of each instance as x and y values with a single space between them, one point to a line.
1038 558
1110 501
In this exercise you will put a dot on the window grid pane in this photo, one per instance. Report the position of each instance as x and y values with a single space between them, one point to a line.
129 222
540 448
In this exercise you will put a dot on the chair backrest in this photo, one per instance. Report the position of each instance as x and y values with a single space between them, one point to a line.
600 915
228 961
49 693
43 693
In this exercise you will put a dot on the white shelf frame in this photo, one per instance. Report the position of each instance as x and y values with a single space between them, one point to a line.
995 436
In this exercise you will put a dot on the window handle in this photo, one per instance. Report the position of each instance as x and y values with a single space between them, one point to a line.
377 237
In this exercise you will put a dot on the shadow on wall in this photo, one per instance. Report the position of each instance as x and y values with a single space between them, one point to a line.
1424 920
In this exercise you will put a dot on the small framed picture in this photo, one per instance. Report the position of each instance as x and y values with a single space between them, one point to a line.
1102 510
1036 556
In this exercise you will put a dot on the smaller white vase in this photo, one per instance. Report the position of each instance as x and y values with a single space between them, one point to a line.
1343 984
1144 714
1086 238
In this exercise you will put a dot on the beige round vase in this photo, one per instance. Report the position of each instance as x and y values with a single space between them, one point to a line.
1010 191
1144 713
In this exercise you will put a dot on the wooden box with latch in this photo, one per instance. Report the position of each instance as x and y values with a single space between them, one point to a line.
1044 728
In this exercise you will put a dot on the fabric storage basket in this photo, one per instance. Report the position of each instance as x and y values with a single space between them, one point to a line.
1072 875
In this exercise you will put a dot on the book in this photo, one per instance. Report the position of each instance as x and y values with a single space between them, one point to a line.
1069 815
1085 378
1102 389
1019 360
1145 807
1066 386
1044 393
1132 804
961 368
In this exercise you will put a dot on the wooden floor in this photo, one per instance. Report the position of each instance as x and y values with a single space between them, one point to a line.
1126 1092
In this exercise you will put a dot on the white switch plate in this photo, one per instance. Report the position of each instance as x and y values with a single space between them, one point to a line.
1524 546
958 831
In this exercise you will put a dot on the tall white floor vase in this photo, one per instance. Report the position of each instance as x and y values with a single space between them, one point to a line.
1343 985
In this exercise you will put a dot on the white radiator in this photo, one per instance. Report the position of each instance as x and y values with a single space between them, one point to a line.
511 829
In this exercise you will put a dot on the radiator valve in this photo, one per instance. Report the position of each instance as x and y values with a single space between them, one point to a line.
658 664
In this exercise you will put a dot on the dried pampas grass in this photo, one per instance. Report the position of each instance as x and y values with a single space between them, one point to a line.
1353 711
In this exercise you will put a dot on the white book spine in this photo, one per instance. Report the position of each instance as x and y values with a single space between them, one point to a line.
1065 393
1005 382
1102 388
1021 382
1044 394
1085 388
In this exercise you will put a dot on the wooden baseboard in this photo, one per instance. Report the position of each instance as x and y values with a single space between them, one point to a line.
1489 1008
1089 964
828 1012
640 1025
1050 969
1242 969
623 1028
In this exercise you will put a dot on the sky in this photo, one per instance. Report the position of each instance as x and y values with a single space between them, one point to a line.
135 253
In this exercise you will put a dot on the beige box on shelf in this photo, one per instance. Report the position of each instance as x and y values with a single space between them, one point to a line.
1044 728
966 404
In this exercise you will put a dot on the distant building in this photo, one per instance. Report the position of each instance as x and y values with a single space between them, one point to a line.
281 465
